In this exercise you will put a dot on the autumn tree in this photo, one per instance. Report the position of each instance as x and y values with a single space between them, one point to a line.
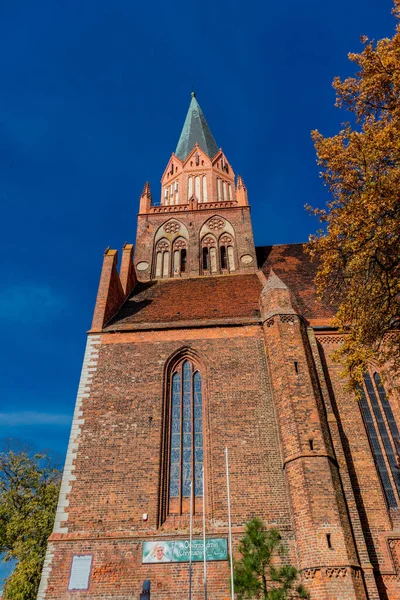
29 487
255 575
359 247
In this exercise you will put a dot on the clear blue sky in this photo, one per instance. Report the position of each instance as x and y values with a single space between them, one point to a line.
93 98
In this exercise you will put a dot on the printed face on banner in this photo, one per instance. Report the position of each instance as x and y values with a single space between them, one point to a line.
156 552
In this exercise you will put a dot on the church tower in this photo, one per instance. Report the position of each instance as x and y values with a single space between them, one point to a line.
200 341
201 223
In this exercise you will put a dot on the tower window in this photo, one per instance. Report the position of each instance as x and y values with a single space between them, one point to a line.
183 260
205 259
186 437
224 262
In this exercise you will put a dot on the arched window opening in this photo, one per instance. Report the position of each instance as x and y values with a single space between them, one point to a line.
226 252
190 187
186 437
205 193
176 193
208 244
205 259
383 439
162 258
197 188
230 191
218 189
183 260
223 257
180 256
224 194
166 195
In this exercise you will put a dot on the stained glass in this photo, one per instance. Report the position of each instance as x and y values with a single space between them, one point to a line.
198 438
377 450
175 458
383 430
186 433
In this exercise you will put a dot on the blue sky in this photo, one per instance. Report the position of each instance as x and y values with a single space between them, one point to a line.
94 95
93 98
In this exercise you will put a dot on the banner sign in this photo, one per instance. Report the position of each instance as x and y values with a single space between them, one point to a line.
178 551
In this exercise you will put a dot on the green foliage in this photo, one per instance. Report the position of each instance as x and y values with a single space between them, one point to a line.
29 488
255 576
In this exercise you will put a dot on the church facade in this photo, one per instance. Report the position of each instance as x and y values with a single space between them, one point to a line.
201 341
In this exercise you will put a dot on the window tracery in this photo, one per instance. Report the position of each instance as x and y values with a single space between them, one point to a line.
383 434
217 256
170 249
185 437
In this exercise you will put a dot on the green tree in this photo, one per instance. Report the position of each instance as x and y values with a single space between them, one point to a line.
254 574
358 249
29 488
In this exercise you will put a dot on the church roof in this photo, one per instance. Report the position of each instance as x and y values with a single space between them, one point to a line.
195 131
293 266
225 299
196 299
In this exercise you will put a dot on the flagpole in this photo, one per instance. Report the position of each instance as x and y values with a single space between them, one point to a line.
190 539
204 541
229 522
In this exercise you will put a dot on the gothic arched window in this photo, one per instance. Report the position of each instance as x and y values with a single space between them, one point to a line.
180 256
227 257
162 258
209 254
383 435
185 468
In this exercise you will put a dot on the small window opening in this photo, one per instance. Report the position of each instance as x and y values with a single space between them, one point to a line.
183 260
224 263
328 540
205 259
311 444
296 366
197 159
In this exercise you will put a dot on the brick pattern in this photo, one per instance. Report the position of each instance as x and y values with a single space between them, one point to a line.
270 388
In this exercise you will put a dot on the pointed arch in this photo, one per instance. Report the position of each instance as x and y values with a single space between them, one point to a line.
183 433
220 258
170 257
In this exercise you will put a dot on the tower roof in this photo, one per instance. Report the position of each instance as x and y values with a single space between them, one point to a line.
195 131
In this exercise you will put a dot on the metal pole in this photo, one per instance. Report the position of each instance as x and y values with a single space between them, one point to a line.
190 539
229 522
204 541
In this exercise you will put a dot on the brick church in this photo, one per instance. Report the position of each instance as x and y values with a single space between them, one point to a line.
201 341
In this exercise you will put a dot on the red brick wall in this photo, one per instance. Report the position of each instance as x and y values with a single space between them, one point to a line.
118 460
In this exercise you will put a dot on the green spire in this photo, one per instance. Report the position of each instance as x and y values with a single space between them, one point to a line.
195 131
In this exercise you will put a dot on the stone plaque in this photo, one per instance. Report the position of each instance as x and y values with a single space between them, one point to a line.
246 259
80 572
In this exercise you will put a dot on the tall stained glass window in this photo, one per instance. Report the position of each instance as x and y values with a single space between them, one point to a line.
186 446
